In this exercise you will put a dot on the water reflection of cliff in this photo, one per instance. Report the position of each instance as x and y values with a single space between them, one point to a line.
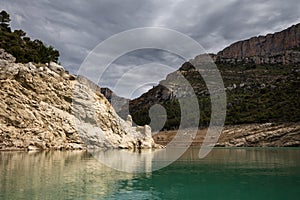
55 175
254 157
148 161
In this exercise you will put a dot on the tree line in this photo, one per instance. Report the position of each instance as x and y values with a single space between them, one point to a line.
21 46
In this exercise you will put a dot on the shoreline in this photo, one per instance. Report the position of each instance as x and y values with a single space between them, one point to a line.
246 135
265 135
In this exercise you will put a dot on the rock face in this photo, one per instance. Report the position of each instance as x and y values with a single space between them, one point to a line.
6 57
246 135
44 107
278 48
261 135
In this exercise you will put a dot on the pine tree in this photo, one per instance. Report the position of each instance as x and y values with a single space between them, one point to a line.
4 21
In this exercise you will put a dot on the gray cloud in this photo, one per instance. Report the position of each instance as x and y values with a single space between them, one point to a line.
142 67
75 27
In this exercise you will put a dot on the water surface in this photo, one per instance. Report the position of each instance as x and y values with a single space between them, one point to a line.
237 173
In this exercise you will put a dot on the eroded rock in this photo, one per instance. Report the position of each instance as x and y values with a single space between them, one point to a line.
278 48
43 107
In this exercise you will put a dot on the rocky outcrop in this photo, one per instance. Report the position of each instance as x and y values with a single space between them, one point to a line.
261 135
246 135
278 48
6 57
44 107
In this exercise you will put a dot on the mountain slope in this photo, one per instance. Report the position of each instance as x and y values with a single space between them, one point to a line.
259 88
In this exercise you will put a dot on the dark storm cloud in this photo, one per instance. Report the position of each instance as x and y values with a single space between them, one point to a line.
138 58
216 24
75 27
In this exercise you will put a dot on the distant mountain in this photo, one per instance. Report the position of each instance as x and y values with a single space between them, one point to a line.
261 77
278 48
116 101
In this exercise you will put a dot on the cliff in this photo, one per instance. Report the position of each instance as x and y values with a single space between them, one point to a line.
44 107
278 48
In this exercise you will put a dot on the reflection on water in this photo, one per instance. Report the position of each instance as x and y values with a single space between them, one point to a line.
152 160
53 175
255 157
138 161
224 174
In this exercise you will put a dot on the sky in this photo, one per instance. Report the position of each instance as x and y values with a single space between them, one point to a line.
76 27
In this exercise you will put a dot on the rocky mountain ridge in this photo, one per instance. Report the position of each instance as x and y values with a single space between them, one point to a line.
44 107
257 92
279 48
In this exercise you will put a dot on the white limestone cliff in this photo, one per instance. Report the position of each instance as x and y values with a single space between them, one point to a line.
44 107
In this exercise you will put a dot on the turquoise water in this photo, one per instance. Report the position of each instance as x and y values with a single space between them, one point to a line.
224 174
